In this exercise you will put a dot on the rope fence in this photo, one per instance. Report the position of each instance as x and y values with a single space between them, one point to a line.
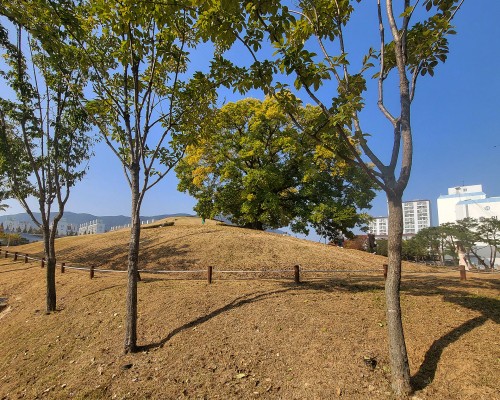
296 272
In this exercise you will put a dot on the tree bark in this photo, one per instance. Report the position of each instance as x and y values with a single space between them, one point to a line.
397 347
50 264
133 258
257 225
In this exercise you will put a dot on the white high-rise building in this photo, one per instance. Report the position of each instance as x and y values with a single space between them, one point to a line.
379 226
416 216
467 202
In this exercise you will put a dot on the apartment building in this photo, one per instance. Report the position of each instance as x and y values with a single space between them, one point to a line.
416 216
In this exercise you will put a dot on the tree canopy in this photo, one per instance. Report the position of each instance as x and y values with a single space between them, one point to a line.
254 166
44 141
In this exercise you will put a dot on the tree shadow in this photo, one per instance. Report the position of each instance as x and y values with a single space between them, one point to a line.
452 291
117 259
101 290
17 269
427 370
339 284
236 303
488 307
439 285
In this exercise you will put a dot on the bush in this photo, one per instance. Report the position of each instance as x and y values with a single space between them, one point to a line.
12 239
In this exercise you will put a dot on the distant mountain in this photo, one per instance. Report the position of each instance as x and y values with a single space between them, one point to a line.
81 218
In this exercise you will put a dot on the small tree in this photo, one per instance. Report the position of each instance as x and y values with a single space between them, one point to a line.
43 136
147 100
433 239
489 232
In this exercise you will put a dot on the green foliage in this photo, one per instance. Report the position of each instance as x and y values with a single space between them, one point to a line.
3 196
43 131
437 242
382 249
12 239
254 166
147 101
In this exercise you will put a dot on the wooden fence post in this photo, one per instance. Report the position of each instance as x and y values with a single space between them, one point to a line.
209 274
296 275
62 268
6 253
91 271
15 256
42 263
385 271
26 258
463 276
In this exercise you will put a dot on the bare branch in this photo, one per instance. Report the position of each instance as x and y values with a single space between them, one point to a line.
382 75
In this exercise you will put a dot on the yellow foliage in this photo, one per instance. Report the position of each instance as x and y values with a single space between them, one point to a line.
199 175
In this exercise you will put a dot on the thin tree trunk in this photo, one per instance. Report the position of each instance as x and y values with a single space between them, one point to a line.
133 258
397 348
50 265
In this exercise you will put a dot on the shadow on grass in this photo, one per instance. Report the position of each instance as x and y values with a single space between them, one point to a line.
452 291
236 303
427 370
331 285
101 290
116 258
17 269
489 309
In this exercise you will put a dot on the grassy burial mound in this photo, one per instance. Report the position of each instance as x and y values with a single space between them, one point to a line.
235 339
189 244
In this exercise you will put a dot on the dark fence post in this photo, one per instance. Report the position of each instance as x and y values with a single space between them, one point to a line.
385 271
296 275
209 274
26 259
463 276
6 253
62 268
91 271
42 264
15 256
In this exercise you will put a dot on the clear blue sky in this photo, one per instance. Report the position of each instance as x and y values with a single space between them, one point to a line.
456 126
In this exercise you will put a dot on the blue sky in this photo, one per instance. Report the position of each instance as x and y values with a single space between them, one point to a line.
455 118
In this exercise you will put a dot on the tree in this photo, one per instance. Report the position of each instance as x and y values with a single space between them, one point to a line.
382 247
43 134
471 234
489 232
434 239
415 249
309 45
147 100
254 166
3 196
464 235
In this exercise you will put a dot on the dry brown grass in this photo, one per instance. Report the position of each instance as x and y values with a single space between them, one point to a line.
190 245
240 339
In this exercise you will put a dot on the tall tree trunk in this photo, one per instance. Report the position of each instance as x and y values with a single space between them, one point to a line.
133 258
397 348
50 265
257 225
